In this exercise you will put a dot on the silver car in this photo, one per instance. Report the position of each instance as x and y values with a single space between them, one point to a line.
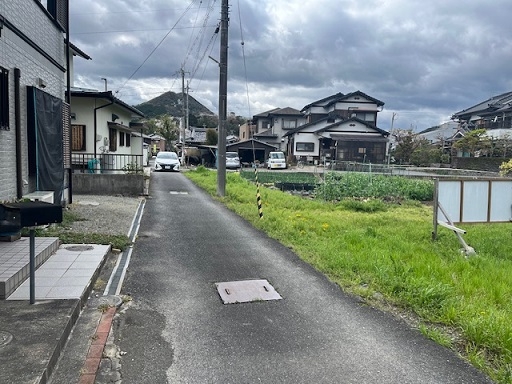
167 161
232 160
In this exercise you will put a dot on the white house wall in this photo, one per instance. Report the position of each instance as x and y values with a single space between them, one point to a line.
306 137
35 23
354 127
83 108
356 105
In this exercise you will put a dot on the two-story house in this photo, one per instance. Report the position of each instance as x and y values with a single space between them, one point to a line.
32 107
340 127
271 126
493 114
105 133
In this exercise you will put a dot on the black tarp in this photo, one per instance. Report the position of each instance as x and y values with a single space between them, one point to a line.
45 139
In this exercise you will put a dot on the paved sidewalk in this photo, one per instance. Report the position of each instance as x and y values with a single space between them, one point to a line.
32 336
67 274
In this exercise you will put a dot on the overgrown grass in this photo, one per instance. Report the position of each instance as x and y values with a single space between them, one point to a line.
67 236
386 255
267 177
338 186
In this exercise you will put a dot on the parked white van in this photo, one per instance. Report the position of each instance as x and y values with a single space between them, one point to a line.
276 160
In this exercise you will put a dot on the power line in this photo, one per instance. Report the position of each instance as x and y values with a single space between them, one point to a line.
243 54
154 49
136 30
131 11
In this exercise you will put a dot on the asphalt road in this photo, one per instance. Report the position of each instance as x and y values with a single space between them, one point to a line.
177 329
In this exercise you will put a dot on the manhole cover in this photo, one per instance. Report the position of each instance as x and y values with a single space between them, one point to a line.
246 291
5 338
79 248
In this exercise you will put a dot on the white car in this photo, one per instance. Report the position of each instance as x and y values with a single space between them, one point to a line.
232 160
276 160
167 161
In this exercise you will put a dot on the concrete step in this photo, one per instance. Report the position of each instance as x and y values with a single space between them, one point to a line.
15 261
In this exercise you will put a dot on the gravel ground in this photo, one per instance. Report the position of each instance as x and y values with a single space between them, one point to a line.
112 215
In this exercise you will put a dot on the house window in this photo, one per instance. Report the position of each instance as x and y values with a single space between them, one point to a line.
289 123
265 124
305 147
361 150
112 140
128 139
121 139
78 137
366 116
4 98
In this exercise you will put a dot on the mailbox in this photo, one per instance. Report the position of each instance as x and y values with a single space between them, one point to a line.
15 216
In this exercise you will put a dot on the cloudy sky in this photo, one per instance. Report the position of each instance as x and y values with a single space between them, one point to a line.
425 59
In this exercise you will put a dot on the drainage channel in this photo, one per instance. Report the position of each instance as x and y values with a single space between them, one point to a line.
116 279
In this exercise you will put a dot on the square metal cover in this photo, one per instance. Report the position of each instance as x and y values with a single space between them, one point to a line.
245 291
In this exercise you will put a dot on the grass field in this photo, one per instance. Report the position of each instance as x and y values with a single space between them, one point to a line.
384 253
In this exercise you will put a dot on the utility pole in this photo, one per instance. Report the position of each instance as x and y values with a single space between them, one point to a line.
187 122
223 90
183 121
393 117
187 111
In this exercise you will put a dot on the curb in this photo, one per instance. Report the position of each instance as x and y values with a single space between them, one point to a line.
73 318
95 353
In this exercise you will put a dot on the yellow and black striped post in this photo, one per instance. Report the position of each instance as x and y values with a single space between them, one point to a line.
258 196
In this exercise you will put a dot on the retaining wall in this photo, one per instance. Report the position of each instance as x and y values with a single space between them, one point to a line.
108 184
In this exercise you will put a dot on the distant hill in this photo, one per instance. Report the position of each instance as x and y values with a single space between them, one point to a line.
171 103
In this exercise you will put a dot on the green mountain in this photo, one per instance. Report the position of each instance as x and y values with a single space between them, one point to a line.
171 103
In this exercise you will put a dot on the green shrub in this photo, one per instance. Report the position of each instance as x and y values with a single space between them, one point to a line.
338 186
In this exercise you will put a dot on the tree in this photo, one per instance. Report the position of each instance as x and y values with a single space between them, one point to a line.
234 123
167 128
425 153
506 168
151 125
473 142
207 121
212 137
406 143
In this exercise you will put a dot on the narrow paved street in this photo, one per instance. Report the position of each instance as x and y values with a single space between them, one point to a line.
177 329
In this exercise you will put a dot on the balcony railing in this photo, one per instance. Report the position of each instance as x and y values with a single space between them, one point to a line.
106 163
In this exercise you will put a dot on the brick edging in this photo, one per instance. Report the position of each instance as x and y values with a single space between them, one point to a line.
95 353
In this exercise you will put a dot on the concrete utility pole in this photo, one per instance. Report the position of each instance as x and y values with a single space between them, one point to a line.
223 90
187 114
184 119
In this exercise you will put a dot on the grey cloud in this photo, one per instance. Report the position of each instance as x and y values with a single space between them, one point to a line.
425 60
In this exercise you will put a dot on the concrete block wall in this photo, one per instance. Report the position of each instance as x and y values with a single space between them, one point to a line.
34 22
108 184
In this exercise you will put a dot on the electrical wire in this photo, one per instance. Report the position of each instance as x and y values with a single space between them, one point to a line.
198 40
154 49
243 55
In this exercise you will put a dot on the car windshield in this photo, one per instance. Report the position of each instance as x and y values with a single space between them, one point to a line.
167 155
231 155
277 155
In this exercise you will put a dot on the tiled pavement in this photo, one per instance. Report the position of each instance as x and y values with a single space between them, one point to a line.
14 260
66 274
